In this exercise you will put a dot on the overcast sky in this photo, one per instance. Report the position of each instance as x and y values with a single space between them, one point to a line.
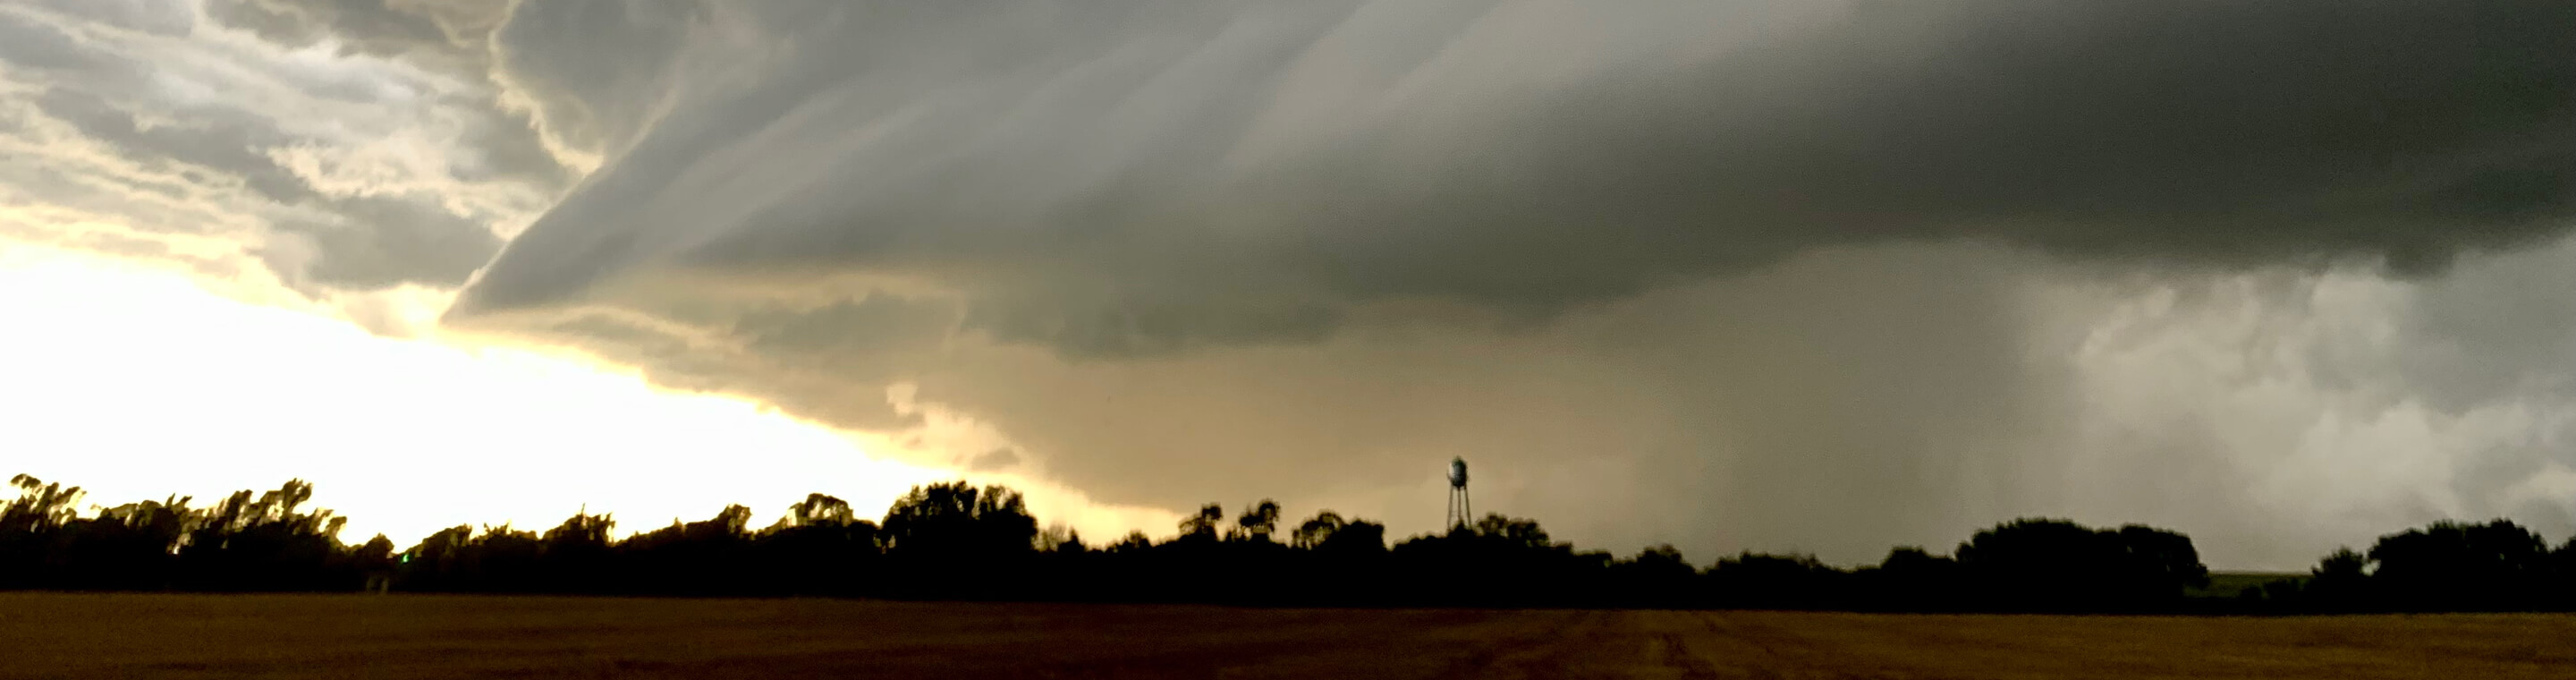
1776 276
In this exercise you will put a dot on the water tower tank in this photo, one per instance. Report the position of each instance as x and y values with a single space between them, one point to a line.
1458 472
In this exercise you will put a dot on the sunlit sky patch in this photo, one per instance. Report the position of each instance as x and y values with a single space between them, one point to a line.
143 384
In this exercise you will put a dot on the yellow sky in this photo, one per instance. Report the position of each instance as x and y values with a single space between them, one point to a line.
136 382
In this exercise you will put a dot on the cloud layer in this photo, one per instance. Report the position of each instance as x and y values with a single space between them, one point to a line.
157 124
1148 177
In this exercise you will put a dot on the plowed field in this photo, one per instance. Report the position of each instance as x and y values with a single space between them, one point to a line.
45 635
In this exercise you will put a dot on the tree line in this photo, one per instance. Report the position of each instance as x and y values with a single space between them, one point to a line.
960 541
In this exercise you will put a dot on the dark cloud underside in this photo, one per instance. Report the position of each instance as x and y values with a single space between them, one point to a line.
1114 182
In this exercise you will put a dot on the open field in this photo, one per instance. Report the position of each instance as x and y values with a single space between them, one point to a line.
47 635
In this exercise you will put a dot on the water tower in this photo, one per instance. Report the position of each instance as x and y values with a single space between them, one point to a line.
1459 516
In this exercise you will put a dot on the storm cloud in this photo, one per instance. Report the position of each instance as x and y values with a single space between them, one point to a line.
1149 175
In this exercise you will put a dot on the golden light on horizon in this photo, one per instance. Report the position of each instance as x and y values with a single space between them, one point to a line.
403 436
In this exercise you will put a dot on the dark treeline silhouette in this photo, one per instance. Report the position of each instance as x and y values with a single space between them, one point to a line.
959 541
239 544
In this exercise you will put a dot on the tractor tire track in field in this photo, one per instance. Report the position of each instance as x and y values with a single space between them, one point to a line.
1673 652
1540 655
1823 647
1760 652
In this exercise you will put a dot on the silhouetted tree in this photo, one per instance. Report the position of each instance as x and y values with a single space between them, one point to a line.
959 519
1498 560
39 506
265 544
1072 543
705 557
1511 530
1313 532
1053 537
956 540
31 537
2340 582
1259 521
1912 579
579 554
509 560
820 510
374 561
2559 592
1359 537
2057 565
442 562
819 548
2449 566
1652 578
1202 526
1759 581
128 547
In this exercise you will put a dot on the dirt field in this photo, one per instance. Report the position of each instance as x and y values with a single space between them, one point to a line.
123 636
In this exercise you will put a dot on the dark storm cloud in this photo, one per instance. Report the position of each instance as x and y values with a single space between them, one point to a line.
1144 176
867 326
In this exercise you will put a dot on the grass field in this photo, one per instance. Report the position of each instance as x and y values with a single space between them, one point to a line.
45 635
